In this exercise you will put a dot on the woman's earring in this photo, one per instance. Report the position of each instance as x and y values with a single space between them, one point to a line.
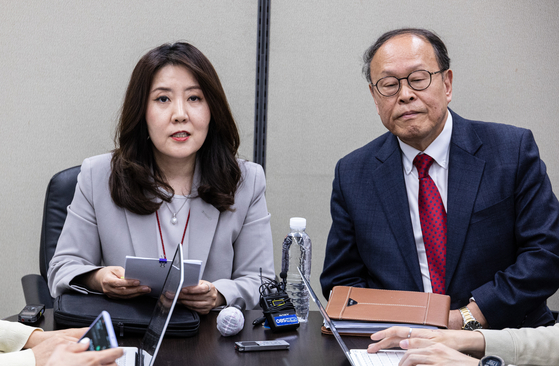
148 137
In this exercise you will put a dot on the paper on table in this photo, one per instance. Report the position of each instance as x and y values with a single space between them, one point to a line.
152 273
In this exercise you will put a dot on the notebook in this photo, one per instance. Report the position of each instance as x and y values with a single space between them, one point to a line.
146 353
356 357
368 310
151 272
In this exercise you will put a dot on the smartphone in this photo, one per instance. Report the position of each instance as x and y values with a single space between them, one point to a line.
101 333
250 346
31 314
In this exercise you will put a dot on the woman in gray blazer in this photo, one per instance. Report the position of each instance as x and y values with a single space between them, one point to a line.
173 178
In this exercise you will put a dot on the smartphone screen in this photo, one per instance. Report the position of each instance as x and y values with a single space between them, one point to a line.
101 333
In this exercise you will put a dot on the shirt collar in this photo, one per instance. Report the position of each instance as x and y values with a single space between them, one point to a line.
438 150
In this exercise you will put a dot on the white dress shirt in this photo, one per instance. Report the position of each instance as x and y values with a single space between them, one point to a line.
439 151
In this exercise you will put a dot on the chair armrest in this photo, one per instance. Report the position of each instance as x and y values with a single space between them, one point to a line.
36 291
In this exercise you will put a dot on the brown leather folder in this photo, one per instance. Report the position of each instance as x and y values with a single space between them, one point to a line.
388 306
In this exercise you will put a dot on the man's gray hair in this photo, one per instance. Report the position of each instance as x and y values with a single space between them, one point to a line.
438 45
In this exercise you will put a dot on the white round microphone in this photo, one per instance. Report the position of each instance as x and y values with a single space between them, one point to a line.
231 320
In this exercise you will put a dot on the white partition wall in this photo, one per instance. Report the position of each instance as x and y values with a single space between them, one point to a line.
64 67
504 57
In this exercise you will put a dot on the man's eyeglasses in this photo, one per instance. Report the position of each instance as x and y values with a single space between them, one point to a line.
417 80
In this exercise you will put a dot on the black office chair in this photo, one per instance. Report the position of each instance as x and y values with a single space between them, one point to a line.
60 193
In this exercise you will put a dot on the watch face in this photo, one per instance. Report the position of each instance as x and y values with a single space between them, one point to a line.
492 361
472 325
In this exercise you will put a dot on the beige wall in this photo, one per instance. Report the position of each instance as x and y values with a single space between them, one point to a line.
64 66
503 54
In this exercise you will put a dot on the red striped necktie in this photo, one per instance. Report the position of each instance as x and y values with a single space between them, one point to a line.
433 223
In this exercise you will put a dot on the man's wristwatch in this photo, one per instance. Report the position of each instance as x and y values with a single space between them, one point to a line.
491 361
470 323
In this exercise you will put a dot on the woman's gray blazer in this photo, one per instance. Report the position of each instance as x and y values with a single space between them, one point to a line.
232 245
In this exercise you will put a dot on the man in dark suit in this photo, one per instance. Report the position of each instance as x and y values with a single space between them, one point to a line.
440 203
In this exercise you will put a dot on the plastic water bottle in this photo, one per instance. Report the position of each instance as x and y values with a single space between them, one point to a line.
296 252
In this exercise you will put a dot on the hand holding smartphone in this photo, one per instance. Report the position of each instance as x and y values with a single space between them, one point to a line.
101 333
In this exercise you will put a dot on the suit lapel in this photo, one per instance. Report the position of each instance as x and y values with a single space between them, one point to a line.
391 189
203 224
464 177
202 227
142 231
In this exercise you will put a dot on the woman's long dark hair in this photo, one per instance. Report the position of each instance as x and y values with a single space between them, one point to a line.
135 178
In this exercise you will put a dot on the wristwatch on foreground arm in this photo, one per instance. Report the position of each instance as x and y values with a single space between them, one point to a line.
491 361
470 323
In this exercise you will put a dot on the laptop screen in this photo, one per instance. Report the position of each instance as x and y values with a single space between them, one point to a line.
163 309
324 314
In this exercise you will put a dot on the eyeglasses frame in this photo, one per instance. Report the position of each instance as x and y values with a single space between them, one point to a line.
408 80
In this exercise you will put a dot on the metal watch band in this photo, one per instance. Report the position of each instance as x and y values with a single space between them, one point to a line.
470 322
466 314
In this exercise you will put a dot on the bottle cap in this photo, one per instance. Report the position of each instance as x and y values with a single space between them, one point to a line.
298 223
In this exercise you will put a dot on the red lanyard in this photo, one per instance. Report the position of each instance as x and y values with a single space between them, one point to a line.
161 234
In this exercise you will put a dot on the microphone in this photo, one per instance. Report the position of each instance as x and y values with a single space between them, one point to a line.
231 320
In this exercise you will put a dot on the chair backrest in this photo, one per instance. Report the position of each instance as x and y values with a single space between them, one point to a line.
60 193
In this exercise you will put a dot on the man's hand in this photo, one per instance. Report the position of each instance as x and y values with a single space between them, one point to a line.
455 320
110 280
72 354
201 298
